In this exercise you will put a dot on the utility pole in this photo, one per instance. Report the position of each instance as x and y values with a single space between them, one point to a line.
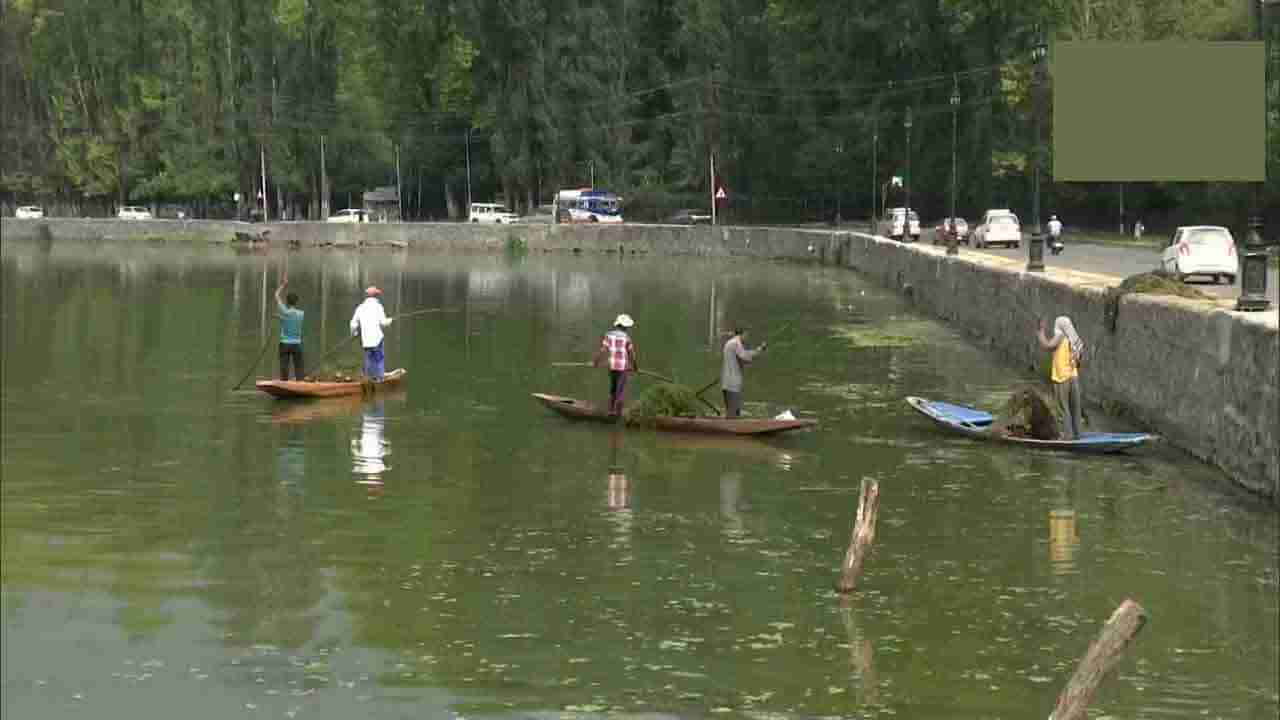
468 172
324 184
399 189
262 149
711 156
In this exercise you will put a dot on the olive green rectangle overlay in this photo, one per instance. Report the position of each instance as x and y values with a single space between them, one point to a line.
1170 111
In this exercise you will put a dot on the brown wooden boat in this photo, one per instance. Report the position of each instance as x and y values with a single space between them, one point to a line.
581 410
317 389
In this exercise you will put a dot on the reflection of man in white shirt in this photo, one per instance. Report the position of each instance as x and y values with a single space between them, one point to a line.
1055 227
369 449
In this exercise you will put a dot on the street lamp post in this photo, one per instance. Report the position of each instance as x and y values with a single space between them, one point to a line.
906 217
875 183
1035 247
1253 261
839 163
952 238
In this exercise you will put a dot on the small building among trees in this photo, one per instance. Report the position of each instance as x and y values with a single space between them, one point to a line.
382 204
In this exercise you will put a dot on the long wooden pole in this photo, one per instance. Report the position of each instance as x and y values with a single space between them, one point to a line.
1119 631
342 344
864 534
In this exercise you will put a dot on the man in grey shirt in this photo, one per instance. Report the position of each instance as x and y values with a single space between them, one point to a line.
736 355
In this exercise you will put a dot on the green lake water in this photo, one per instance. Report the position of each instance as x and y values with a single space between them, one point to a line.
175 549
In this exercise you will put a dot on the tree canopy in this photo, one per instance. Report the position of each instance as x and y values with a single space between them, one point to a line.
184 100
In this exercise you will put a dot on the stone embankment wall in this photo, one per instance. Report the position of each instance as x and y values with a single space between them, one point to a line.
1204 378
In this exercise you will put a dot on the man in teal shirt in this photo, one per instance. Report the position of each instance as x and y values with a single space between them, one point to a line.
290 333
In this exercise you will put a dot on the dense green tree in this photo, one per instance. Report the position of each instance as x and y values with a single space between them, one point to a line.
186 101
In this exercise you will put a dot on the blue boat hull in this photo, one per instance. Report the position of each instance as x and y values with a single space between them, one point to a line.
977 424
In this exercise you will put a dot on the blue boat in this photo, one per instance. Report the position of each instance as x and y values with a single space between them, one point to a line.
977 424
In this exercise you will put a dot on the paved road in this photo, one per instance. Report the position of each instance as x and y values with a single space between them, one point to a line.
1122 262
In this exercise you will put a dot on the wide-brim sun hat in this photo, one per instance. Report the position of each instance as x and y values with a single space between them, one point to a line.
624 320
372 290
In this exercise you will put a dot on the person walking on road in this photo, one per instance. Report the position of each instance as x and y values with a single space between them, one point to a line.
367 322
1064 373
290 317
736 355
617 347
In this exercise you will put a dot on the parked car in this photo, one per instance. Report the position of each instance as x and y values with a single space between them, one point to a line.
688 216
891 225
30 212
962 231
1205 250
998 227
134 212
491 213
350 215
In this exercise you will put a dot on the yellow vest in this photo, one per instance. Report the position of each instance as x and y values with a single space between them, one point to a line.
1064 366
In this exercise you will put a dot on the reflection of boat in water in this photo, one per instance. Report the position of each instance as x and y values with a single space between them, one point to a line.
742 445
581 410
318 389
301 411
977 424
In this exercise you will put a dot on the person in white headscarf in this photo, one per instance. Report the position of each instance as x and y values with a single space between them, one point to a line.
1064 373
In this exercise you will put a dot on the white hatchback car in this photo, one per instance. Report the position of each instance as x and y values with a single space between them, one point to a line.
491 213
350 215
134 212
29 212
1206 250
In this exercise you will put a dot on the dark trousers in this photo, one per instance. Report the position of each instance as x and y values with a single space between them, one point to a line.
732 403
291 353
617 391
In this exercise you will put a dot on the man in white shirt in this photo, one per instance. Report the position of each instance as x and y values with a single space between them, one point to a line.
367 322
1055 235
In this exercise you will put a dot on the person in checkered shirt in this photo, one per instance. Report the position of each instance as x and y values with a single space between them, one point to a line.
617 348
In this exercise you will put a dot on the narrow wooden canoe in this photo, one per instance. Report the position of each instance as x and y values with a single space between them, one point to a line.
977 424
312 389
581 410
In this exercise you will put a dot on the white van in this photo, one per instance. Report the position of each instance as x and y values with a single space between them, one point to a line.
491 213
134 212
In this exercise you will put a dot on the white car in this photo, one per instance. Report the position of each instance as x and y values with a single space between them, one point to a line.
134 212
29 212
491 213
891 224
1206 250
350 215
999 227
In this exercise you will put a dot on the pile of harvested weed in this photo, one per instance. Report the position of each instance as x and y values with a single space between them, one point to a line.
1148 283
1031 412
1159 283
336 373
662 399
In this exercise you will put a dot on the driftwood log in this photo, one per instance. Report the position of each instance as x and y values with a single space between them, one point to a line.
864 534
1123 626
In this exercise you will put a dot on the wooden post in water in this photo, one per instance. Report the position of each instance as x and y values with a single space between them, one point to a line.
1125 624
864 534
